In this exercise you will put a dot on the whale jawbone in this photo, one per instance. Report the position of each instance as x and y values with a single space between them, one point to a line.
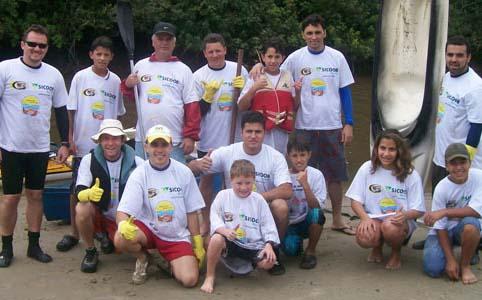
408 68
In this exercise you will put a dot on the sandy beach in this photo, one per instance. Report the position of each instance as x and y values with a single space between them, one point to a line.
342 273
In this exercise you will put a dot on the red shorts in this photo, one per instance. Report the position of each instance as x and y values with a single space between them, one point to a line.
103 224
169 250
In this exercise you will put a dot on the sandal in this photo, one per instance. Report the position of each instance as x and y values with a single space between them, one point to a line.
308 262
348 230
67 243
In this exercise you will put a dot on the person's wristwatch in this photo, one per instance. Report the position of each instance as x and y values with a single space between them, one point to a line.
66 144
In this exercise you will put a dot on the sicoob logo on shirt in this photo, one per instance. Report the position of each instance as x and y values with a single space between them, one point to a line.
171 189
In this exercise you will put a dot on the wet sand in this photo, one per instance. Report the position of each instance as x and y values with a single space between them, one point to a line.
342 273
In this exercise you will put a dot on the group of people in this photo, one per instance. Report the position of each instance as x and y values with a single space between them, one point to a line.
295 117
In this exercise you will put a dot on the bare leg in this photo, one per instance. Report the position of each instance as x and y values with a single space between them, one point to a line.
34 210
371 240
85 213
73 223
134 247
394 236
279 209
314 233
470 242
336 198
216 246
8 213
185 269
206 188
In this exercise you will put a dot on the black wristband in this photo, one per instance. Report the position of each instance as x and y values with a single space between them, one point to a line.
66 144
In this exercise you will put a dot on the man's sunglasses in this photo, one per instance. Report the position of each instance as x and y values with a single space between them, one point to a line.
34 44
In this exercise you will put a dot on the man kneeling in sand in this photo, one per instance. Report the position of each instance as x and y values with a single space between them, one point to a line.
455 217
163 197
100 182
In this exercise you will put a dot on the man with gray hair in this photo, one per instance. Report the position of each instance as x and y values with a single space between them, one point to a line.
166 94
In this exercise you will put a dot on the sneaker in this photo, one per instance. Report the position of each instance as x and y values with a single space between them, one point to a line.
5 259
277 269
419 245
66 243
308 262
140 274
106 245
37 253
90 261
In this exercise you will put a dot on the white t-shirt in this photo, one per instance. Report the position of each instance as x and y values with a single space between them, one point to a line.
460 103
218 119
161 200
85 178
250 217
297 204
271 167
164 89
448 194
323 75
93 98
26 99
382 192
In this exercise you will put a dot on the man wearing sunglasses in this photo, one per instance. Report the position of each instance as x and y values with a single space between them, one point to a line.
28 90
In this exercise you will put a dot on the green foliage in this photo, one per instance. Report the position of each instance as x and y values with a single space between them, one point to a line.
465 18
351 24
245 24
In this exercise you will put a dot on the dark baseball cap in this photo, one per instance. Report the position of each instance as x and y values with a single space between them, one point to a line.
456 150
164 27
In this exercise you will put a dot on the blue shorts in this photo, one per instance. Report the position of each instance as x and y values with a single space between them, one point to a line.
433 255
292 244
327 152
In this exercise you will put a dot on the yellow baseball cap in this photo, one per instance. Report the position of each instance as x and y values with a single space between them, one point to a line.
158 132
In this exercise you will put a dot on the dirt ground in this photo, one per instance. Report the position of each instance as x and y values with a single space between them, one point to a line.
342 273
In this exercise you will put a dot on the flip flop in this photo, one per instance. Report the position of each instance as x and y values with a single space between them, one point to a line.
348 230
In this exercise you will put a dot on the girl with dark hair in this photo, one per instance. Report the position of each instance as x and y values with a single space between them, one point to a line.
387 195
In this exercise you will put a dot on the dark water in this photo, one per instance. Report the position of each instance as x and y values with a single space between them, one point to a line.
359 151
356 153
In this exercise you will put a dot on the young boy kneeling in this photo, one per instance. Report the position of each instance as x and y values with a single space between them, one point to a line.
306 216
455 218
241 225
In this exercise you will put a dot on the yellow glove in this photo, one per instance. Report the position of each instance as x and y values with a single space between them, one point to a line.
210 88
93 194
197 247
238 82
471 150
128 229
